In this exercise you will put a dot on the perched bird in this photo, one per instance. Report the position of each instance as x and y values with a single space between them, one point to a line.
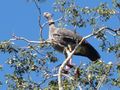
62 38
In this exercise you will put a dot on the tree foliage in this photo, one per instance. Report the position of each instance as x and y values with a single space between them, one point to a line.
30 64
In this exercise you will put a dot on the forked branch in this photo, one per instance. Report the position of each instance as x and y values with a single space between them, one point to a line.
70 55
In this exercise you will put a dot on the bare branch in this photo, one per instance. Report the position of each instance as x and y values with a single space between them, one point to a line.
54 21
80 88
103 78
38 8
115 31
28 41
50 41
70 55
39 18
66 60
44 24
59 19
66 75
101 81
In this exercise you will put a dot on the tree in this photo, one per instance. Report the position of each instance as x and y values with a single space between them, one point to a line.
32 60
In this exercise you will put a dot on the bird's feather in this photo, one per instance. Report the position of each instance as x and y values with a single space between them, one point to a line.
67 37
62 38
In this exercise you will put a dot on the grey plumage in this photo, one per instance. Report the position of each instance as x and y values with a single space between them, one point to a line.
62 37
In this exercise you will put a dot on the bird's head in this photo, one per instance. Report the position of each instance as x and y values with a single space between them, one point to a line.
47 15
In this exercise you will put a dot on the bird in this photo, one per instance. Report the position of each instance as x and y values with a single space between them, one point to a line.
63 38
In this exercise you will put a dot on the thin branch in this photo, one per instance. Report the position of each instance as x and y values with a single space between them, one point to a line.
28 41
66 75
39 18
116 31
41 28
58 19
44 24
101 81
103 78
80 88
111 33
70 55
38 8
118 15
75 27
66 60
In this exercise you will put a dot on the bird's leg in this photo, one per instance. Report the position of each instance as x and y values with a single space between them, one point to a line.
69 49
69 63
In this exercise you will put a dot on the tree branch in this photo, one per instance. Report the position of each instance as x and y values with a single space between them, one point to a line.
29 41
65 62
66 75
103 78
70 55
44 24
39 20
110 30
101 81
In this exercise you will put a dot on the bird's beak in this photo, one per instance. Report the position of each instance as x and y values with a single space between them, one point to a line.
47 15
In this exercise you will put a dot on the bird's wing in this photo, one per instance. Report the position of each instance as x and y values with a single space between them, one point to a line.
67 37
67 33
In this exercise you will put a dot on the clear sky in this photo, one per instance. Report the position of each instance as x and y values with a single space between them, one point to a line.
21 18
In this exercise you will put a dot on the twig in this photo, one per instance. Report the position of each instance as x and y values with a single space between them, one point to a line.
80 88
103 78
66 75
58 19
28 41
38 8
44 24
116 31
39 18
101 81
66 60
70 55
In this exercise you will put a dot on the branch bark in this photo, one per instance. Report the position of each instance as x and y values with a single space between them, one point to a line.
29 41
70 55
104 77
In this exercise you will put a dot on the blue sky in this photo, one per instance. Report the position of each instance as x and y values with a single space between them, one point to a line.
21 18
